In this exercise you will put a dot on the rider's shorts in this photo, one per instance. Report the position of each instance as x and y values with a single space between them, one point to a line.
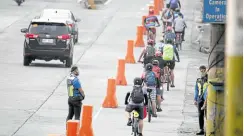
139 109
159 91
153 29
171 64
153 93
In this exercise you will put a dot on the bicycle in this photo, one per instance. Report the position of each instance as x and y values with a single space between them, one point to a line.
150 33
135 123
149 105
167 75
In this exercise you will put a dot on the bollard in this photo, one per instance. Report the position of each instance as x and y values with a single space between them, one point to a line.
130 52
139 39
86 127
72 126
120 79
110 99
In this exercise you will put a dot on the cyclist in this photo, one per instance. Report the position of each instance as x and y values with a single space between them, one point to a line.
167 17
137 96
174 4
150 82
170 34
148 53
150 23
168 56
157 72
180 25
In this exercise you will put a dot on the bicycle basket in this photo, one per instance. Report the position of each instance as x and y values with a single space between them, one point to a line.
135 114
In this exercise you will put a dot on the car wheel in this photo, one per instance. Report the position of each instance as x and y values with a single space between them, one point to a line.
26 61
69 62
77 39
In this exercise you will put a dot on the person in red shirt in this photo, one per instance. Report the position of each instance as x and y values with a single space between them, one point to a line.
150 23
156 69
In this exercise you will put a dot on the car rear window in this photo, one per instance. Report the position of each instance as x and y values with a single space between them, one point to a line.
48 28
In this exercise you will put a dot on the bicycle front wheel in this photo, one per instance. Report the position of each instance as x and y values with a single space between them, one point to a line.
168 82
135 127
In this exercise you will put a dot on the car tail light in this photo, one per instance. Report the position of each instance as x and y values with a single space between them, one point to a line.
64 37
31 36
71 25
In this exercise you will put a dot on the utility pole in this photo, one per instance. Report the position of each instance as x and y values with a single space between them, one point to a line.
234 69
215 99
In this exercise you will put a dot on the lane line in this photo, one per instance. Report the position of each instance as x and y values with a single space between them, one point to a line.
97 114
107 2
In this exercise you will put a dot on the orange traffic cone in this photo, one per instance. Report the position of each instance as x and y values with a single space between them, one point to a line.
139 39
156 7
120 79
86 128
160 5
72 126
144 28
111 100
130 52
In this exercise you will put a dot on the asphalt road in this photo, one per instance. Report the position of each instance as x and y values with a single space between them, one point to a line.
33 99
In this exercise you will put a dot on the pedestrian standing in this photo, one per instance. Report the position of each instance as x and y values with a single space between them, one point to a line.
75 93
200 97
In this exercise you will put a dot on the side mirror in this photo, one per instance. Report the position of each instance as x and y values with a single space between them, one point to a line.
24 30
74 33
77 20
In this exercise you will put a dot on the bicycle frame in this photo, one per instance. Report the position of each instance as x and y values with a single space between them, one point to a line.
149 106
135 123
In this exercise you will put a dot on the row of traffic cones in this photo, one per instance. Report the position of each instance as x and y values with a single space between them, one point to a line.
110 100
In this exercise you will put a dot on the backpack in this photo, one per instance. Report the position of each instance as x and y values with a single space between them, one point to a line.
168 14
168 52
137 95
150 51
150 78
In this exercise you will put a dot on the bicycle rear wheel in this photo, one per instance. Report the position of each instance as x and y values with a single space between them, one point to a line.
135 127
168 82
149 108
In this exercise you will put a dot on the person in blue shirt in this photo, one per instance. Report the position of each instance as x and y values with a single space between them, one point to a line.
200 97
75 94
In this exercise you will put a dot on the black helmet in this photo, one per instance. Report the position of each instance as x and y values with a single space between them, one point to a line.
167 5
149 67
73 68
169 41
155 62
137 81
202 67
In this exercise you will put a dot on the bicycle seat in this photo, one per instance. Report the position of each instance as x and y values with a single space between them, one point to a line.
135 114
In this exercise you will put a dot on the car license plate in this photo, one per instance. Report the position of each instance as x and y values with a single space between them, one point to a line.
47 40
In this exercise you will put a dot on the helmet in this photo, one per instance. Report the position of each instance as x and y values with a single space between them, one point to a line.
73 68
158 54
155 62
137 81
149 67
169 41
169 28
180 15
202 67
151 12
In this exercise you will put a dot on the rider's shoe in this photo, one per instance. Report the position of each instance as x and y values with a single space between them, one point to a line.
172 85
154 115
140 134
129 122
159 110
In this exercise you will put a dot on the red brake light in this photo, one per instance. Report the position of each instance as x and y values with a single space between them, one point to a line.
64 37
71 25
31 35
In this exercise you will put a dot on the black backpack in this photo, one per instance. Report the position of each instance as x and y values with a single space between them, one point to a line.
137 95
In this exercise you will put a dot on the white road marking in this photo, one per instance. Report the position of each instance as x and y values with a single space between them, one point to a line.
107 2
96 115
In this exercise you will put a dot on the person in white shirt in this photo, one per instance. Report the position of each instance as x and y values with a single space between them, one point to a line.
179 26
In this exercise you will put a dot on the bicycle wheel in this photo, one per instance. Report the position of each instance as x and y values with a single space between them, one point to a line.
135 127
149 106
168 82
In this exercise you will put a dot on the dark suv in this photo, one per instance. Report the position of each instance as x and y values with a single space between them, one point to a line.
48 40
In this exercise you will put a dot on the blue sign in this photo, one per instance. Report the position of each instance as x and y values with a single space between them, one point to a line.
214 11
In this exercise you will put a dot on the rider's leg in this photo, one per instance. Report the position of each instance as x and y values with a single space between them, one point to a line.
183 35
172 66
128 110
